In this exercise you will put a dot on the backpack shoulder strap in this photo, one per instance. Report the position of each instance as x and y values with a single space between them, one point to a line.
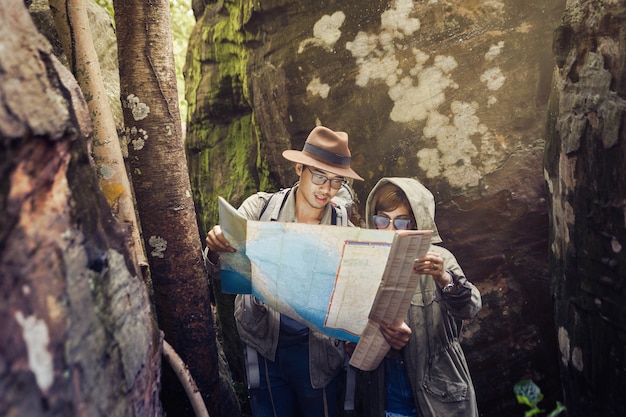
342 203
340 214
273 205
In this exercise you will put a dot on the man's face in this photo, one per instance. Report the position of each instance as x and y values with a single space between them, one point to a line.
315 185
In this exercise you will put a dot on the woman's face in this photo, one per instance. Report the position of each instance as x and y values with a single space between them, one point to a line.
397 219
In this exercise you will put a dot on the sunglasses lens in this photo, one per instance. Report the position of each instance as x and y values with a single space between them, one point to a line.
381 222
402 224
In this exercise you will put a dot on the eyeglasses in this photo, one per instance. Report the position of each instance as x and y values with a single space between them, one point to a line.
319 179
382 222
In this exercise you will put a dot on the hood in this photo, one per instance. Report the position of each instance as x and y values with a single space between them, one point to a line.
422 204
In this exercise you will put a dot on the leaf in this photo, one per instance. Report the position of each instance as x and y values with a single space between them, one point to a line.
558 410
532 412
529 392
522 399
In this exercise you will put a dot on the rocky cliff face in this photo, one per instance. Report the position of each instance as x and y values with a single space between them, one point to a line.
584 170
453 93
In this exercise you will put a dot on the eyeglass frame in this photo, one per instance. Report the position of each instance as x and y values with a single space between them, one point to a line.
389 221
316 178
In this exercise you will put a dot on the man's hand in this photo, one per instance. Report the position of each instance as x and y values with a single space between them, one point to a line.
397 335
217 242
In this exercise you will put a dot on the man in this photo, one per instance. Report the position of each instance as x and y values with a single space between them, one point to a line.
293 370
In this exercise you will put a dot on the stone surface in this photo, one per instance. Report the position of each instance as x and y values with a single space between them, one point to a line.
585 156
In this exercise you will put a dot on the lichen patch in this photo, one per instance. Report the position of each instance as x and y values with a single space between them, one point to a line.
138 109
158 245
36 337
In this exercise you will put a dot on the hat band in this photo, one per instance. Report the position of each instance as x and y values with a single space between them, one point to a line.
326 156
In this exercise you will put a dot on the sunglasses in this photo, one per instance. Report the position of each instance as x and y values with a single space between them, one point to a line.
382 222
319 179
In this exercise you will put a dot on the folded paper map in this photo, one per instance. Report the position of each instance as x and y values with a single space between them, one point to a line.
341 281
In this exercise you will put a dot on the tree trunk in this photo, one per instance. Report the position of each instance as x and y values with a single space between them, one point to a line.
585 158
72 24
163 194
77 335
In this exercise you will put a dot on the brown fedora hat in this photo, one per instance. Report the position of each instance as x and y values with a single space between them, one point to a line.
326 150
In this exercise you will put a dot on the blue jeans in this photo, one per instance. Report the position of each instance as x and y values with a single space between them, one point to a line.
290 393
399 392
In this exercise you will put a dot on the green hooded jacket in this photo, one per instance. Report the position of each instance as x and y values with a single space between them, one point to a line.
435 363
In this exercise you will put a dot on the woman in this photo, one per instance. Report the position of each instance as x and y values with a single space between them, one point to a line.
425 373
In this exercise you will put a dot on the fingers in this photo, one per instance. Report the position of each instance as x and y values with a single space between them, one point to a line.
397 335
431 264
217 242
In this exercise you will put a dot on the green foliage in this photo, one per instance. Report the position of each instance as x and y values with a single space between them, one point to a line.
528 393
183 22
106 4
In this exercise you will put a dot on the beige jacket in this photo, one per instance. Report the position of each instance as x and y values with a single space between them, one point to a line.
258 324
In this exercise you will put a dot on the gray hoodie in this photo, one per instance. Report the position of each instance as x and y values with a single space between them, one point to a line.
435 363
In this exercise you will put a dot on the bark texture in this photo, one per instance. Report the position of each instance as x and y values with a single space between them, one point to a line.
73 26
164 201
453 93
77 335
585 158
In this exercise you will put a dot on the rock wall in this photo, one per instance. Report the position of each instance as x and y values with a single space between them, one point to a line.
585 155
453 93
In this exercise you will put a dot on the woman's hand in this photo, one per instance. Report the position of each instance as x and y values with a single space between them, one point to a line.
432 264
397 335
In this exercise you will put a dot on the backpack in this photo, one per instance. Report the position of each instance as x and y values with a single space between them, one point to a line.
341 203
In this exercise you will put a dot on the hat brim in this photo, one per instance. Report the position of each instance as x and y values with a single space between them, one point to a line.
302 158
